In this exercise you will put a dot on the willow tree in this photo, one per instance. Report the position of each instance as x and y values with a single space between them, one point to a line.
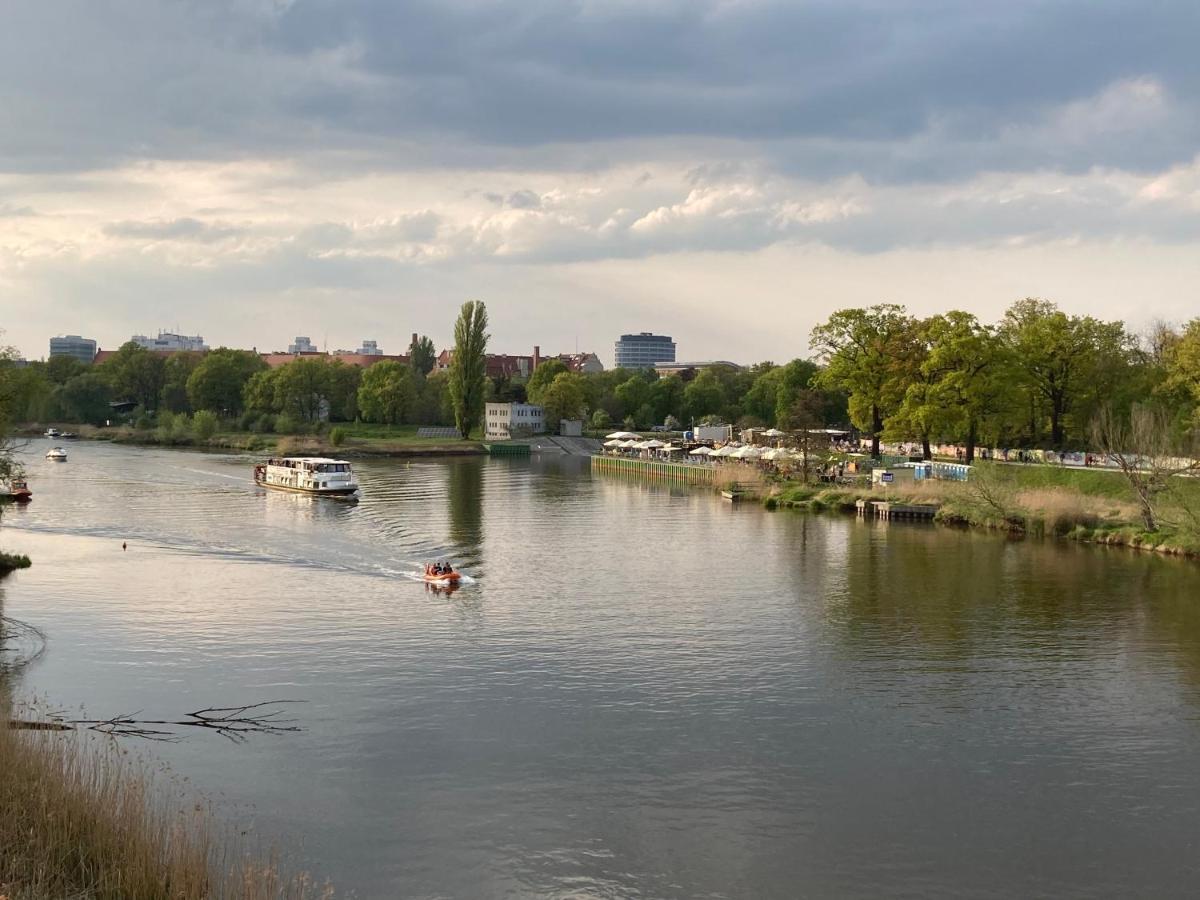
468 368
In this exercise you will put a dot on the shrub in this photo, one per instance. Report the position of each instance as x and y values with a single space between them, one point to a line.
287 424
264 424
337 436
143 423
204 424
247 421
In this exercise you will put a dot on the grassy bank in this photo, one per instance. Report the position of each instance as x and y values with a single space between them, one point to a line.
1089 505
346 440
81 817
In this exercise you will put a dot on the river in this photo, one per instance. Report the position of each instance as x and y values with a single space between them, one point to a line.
646 692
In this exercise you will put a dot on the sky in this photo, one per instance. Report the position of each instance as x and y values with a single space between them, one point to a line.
728 172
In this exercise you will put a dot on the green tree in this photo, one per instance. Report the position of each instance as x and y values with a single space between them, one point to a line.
601 420
1060 360
218 382
84 398
302 389
342 383
388 393
542 377
61 369
468 368
867 353
136 374
1181 361
204 424
563 398
422 356
177 369
259 394
704 395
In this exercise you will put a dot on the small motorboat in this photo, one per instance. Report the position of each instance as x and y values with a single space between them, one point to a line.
446 575
57 454
51 433
18 491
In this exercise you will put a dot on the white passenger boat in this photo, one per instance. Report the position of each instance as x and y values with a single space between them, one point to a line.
307 475
58 454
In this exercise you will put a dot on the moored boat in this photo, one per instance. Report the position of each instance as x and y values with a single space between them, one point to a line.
18 491
307 475
56 454
51 433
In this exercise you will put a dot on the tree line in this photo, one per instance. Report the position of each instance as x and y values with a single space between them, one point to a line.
1036 378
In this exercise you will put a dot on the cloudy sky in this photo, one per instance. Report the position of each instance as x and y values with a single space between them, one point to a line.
725 171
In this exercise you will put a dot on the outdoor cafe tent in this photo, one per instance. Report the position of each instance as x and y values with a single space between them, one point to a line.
629 445
772 455
614 443
700 451
624 436
724 451
772 433
651 445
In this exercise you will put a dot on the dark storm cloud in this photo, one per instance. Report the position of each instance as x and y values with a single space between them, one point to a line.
896 91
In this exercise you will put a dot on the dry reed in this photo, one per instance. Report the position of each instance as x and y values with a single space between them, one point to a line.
81 817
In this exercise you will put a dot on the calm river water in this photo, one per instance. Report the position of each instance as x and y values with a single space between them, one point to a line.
647 693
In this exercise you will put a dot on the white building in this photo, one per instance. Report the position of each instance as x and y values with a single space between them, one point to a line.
302 345
502 421
369 348
170 341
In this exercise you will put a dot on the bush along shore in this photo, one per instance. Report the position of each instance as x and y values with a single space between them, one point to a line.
1040 501
10 562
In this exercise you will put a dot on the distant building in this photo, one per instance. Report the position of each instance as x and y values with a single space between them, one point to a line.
362 360
644 350
676 368
369 348
498 365
302 345
502 421
584 363
83 349
170 342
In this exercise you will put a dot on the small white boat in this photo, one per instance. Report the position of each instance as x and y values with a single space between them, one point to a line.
307 475
51 433
58 454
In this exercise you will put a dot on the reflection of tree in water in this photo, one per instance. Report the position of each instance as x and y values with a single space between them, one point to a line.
962 596
465 487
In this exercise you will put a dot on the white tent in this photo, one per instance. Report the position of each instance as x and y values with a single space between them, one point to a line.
701 451
746 453
727 450
624 436
772 433
614 443
651 445
671 448
772 455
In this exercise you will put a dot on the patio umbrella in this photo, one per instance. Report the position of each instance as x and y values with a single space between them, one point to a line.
623 436
701 451
652 445
724 451
614 443
772 432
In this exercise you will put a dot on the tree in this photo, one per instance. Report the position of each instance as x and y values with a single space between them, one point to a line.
803 418
1060 359
218 383
563 398
468 368
204 424
867 353
1181 358
601 420
388 393
302 389
177 369
704 395
422 355
542 377
1149 457
136 374
259 393
84 398
61 369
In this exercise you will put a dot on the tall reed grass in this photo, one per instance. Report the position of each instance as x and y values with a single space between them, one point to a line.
80 817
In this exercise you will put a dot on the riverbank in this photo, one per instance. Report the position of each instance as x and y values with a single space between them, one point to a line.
10 562
82 817
1089 506
351 441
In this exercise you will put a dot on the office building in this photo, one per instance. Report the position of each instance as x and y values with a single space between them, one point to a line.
369 348
302 345
642 351
83 349
169 342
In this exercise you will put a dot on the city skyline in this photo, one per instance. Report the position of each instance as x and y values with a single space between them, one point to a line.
733 173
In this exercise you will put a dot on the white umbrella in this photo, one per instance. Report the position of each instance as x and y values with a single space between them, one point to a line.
652 445
614 443
671 448
747 453
727 450
772 455
772 432
630 445
701 451
623 436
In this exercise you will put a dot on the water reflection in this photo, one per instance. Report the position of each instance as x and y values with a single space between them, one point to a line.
464 486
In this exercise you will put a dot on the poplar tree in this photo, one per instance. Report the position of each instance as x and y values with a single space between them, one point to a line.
468 368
